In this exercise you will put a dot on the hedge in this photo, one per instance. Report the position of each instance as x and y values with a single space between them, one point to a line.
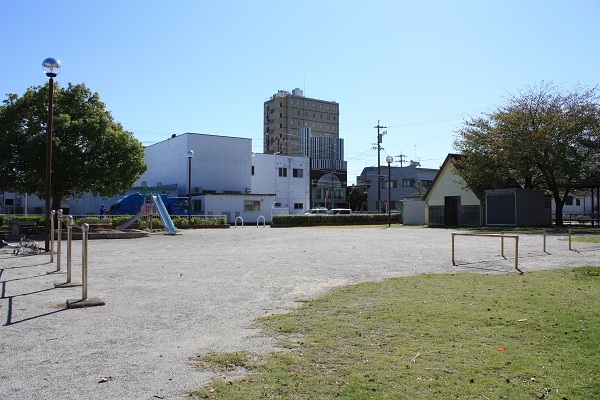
338 219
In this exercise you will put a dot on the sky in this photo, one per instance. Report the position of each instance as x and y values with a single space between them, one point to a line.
421 67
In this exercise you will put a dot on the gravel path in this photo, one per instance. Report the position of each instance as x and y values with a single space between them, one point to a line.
169 298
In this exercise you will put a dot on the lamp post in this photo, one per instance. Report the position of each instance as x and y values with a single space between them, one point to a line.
389 160
51 67
190 155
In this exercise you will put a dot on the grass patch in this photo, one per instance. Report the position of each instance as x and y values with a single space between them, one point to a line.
220 362
585 239
468 336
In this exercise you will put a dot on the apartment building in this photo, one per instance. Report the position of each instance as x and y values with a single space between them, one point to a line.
295 125
400 182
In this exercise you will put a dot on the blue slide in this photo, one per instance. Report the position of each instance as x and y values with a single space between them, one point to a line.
164 214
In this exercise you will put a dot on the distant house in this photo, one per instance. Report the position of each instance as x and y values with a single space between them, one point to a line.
448 202
399 182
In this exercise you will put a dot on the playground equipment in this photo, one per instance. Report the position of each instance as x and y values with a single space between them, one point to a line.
138 205
133 203
502 236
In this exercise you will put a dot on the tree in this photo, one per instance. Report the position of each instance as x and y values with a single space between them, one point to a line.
543 138
357 199
91 152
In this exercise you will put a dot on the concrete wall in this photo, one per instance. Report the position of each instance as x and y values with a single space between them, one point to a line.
414 211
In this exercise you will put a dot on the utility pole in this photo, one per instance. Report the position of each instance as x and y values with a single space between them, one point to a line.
402 157
379 148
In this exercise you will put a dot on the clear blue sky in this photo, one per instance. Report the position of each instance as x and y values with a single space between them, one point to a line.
420 67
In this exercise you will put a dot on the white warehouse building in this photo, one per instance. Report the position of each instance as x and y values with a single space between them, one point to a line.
227 178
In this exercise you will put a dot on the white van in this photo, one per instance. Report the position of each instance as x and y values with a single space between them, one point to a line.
315 211
339 211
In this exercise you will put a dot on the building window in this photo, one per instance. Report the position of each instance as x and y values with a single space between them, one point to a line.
298 112
251 205
298 102
320 126
314 115
426 183
408 183
306 113
334 117
313 105
328 107
277 204
298 206
329 117
291 102
388 184
328 127
282 172
253 170
306 124
321 106
569 201
313 125
321 116
297 173
305 104
577 202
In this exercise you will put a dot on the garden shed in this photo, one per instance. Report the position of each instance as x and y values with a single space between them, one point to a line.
517 207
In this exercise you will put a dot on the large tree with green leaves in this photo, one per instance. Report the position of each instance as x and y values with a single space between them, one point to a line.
91 152
543 138
357 198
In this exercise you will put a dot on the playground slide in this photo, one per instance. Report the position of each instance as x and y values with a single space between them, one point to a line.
128 223
164 214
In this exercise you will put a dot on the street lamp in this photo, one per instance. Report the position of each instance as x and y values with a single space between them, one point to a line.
389 160
51 67
190 155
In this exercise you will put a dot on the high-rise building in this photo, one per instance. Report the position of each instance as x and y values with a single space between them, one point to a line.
295 125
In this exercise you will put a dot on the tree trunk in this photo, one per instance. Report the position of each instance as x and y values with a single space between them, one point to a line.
55 204
558 202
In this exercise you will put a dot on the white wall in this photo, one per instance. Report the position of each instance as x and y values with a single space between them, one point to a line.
413 211
220 163
288 190
232 206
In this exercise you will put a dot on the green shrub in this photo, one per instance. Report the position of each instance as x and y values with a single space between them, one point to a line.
326 219
6 220
182 222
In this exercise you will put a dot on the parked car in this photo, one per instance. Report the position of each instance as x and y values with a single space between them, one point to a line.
315 211
339 211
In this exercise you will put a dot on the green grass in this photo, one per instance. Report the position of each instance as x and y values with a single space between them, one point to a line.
467 336
586 239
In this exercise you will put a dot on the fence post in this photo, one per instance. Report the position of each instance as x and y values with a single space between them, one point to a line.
84 301
69 240
544 241
52 235
59 238
453 263
69 282
569 238
517 253
84 260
